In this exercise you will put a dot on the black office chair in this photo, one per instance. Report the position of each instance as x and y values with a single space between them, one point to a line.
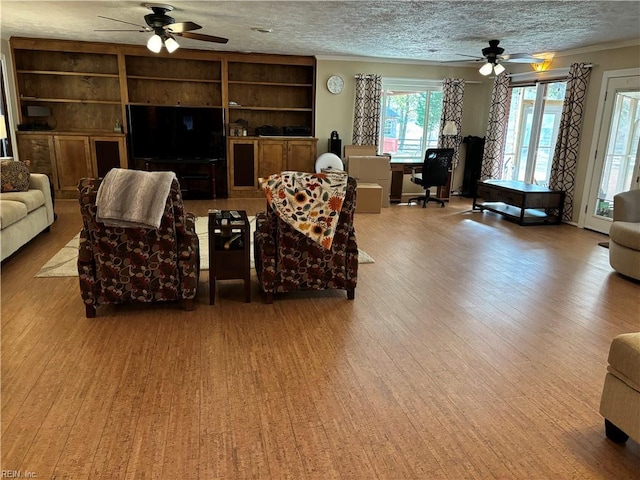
435 170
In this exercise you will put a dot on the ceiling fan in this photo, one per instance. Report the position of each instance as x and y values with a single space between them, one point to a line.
165 29
493 56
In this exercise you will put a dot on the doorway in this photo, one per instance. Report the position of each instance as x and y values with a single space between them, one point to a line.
616 167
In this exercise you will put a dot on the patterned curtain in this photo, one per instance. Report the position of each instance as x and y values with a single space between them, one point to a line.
366 117
565 155
496 128
452 101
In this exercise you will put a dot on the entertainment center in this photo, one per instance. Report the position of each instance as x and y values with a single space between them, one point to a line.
121 105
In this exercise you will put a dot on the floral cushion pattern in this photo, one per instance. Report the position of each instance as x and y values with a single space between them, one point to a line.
288 260
14 176
118 265
310 203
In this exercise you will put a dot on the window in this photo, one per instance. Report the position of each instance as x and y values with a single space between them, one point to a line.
534 119
410 116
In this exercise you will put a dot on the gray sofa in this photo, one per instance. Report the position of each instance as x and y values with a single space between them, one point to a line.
23 215
624 234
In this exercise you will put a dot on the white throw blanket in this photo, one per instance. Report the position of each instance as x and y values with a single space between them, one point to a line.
133 198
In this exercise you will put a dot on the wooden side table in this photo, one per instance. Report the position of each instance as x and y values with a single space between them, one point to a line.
229 250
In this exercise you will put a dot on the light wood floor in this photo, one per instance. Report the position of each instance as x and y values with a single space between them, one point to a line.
475 348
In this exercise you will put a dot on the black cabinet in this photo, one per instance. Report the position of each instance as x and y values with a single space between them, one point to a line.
472 165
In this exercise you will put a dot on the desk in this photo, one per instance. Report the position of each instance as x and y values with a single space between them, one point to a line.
400 169
525 203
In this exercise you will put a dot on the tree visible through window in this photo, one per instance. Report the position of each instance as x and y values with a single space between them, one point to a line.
534 119
411 111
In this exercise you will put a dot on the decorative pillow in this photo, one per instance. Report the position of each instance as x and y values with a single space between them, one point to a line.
14 176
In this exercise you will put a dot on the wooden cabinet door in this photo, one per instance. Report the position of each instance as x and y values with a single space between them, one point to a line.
243 165
38 152
107 153
72 162
301 155
272 157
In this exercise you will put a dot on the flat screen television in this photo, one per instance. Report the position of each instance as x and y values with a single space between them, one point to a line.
174 132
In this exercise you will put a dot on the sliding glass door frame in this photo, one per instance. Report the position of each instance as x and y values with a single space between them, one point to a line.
597 152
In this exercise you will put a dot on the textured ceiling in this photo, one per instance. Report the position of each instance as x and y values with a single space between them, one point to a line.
411 30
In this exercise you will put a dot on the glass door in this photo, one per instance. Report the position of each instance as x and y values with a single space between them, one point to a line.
534 118
616 166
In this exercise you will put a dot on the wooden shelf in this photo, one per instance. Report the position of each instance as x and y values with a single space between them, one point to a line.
70 100
273 84
177 104
171 79
270 109
71 74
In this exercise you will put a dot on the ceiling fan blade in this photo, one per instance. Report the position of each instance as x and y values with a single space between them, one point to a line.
521 58
118 30
182 27
471 59
144 29
203 37
470 56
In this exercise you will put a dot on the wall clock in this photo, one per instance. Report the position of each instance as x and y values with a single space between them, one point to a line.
335 84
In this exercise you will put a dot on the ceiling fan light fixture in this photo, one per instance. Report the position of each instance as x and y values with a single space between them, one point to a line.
171 45
155 43
486 69
498 69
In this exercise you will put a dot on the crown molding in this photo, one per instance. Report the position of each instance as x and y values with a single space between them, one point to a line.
599 47
406 61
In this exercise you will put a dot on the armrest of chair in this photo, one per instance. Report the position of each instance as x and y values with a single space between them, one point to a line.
626 206
86 268
264 253
263 238
189 257
40 181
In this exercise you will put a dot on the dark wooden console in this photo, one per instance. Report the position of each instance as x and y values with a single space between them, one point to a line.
524 203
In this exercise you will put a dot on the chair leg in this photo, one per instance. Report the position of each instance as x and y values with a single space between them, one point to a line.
268 297
90 311
415 199
614 433
351 293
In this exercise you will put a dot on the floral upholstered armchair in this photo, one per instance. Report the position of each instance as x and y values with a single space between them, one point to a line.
302 257
123 264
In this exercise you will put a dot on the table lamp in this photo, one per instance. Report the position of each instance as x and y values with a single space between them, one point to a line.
3 136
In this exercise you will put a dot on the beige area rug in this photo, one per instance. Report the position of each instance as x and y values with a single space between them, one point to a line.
64 263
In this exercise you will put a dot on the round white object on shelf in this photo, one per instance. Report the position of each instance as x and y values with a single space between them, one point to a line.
328 161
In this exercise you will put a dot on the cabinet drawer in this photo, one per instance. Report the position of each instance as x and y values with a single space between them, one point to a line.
512 198
487 193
